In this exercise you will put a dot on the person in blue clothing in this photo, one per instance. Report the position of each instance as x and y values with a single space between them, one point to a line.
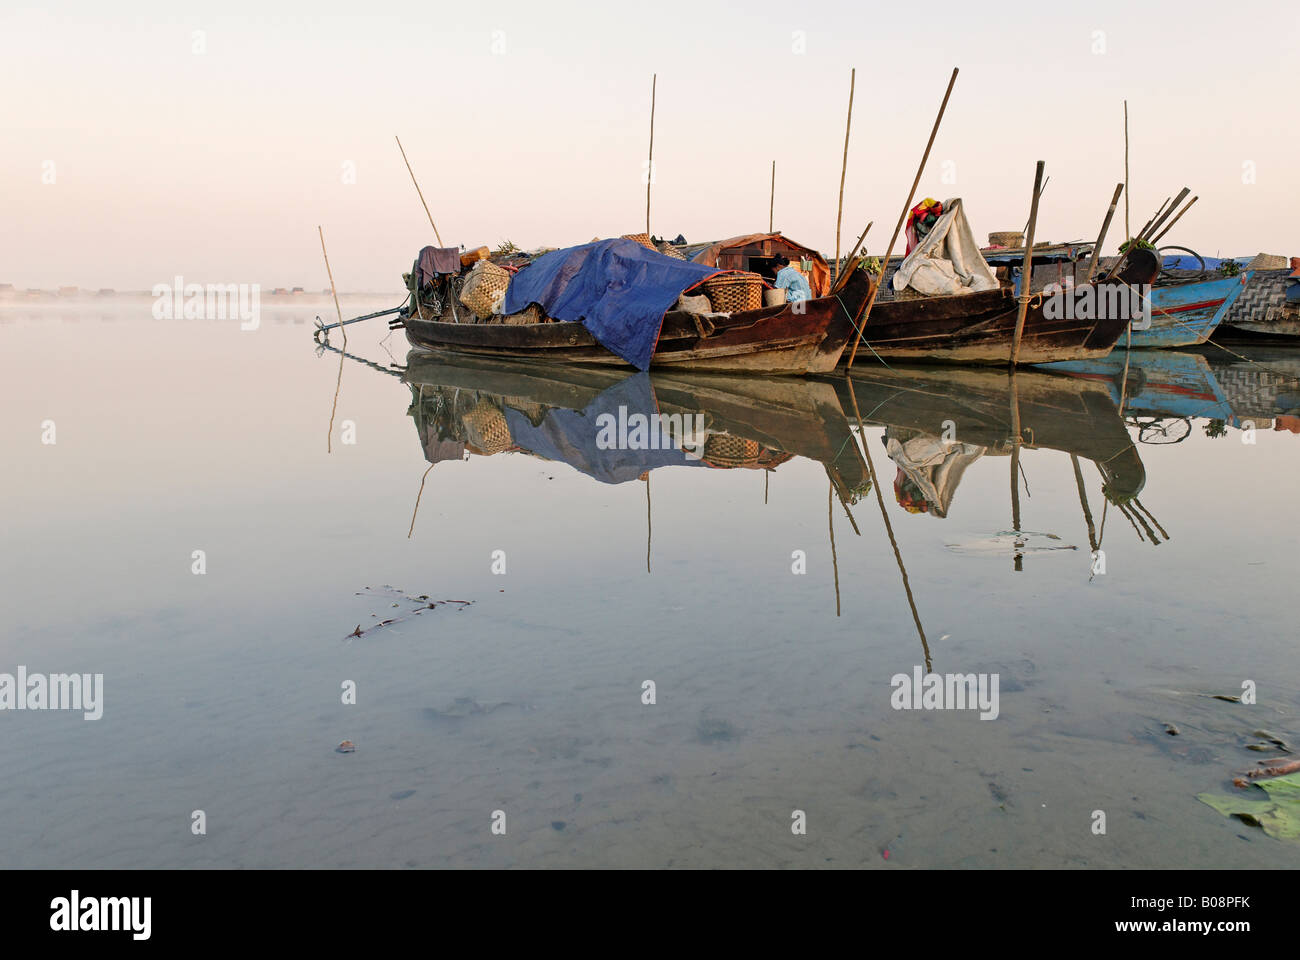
790 280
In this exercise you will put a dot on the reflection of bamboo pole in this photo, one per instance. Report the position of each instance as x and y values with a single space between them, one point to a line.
1152 516
418 190
647 522
1120 507
417 503
871 470
844 169
766 475
1083 501
650 164
902 217
338 383
1018 561
1027 269
843 503
835 565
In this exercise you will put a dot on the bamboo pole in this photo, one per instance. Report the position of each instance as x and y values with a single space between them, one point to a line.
1182 195
1046 181
1127 234
844 168
1162 233
650 162
848 261
1026 271
771 200
1105 225
418 190
338 383
902 217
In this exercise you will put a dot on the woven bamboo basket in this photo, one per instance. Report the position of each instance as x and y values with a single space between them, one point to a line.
1007 238
641 238
724 450
734 292
485 287
486 428
668 250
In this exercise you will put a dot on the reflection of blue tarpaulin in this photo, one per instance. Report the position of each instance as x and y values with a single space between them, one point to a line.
618 289
569 436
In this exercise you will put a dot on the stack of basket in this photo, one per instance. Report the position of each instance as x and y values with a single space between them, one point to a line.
734 292
1007 238
668 250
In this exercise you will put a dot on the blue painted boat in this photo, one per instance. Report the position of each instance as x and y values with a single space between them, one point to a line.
1163 383
1185 314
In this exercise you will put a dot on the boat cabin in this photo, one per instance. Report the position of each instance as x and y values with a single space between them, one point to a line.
756 253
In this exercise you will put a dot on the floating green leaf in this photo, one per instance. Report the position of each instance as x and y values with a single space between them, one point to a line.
1278 815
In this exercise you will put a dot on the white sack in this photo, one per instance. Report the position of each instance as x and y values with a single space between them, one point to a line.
948 261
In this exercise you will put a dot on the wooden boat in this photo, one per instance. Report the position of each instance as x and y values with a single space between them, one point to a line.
978 328
791 339
1269 307
1186 305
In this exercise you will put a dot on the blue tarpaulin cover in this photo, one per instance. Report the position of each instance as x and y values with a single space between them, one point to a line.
617 289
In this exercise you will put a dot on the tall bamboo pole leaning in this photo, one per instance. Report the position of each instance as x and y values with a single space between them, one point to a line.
1026 271
650 161
418 190
1127 234
884 268
1101 237
844 168
771 200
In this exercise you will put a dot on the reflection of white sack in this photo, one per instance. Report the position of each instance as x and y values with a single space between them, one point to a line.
948 261
934 465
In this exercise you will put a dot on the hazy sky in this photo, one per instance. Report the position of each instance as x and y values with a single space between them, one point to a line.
214 154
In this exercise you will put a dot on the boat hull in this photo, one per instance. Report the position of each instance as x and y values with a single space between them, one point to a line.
788 340
979 328
1186 314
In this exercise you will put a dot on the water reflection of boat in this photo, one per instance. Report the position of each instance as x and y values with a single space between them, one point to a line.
1261 384
938 423
1155 384
964 414
617 427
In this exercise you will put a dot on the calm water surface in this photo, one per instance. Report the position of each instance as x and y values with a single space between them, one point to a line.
223 691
